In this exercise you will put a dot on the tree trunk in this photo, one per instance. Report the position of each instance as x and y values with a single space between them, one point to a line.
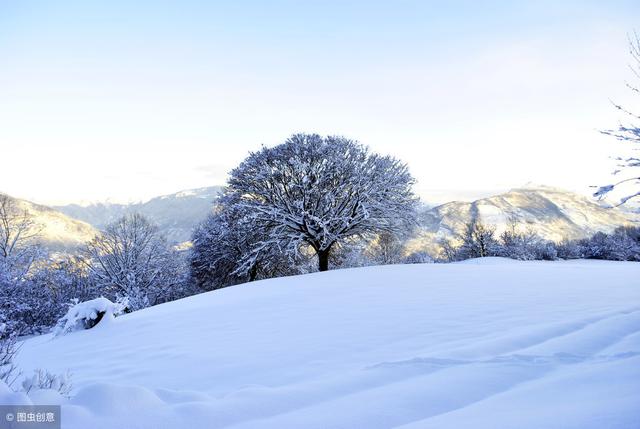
253 273
323 260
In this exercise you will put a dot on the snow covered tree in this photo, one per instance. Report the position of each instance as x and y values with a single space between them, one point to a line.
222 241
621 245
315 192
419 257
384 249
478 241
629 133
524 245
218 245
387 249
69 279
25 304
132 261
569 249
447 250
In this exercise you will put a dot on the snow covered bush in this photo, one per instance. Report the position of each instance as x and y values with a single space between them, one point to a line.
385 249
44 380
621 245
418 258
569 249
86 315
524 245
26 305
33 303
314 192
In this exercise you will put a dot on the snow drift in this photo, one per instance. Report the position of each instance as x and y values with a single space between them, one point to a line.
85 315
483 344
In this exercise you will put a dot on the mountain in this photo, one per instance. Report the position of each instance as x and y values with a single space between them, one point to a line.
552 213
57 231
175 214
488 343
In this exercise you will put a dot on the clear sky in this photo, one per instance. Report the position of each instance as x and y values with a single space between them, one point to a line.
127 100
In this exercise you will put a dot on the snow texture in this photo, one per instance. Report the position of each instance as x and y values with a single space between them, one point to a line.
484 344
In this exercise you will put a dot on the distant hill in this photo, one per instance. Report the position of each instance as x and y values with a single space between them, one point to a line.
57 231
176 214
552 213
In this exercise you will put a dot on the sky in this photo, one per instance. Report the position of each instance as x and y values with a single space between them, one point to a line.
122 101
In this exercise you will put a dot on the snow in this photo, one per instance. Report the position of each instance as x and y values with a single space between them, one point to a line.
483 344
82 313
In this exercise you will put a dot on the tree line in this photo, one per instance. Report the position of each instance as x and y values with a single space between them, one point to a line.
480 240
310 204
129 262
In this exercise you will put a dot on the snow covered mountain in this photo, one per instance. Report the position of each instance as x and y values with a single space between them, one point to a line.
175 214
486 343
552 213
57 231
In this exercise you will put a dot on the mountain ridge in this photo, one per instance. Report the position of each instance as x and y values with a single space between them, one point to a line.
175 214
55 230
552 213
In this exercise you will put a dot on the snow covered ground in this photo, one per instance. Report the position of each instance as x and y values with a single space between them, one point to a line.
481 344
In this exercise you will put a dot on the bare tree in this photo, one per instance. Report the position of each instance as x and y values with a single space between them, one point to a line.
18 236
16 227
315 192
9 348
628 132
448 251
132 260
387 249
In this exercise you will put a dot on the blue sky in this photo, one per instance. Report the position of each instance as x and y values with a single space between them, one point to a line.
126 101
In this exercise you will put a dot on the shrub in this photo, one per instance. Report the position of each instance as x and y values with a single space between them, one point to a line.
42 379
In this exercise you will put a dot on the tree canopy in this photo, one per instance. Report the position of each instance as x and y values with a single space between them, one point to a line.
316 191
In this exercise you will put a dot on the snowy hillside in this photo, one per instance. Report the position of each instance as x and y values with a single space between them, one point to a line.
483 344
55 230
552 213
175 214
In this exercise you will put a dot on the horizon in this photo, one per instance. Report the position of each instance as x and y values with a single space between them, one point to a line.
433 198
477 99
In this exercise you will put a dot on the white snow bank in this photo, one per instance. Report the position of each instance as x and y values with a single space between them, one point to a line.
491 260
9 397
507 344
85 314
